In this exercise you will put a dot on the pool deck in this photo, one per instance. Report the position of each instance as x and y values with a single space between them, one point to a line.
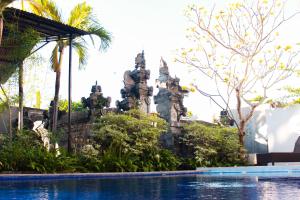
249 170
95 175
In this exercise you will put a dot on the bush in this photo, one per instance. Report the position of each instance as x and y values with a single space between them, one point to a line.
27 153
130 142
138 151
76 106
124 143
211 146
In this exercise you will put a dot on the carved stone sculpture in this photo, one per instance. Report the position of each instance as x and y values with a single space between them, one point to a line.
96 102
136 93
169 100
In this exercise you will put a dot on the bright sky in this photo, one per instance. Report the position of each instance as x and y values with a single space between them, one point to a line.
155 26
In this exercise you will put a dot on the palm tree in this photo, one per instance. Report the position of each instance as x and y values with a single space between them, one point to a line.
81 17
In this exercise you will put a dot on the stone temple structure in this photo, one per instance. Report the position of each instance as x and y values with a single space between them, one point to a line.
169 100
169 104
136 93
96 102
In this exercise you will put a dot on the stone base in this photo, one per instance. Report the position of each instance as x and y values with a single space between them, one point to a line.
167 140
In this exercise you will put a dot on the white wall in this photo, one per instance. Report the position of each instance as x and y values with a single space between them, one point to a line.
278 128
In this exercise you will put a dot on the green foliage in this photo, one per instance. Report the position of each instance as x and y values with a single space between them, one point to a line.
126 142
211 146
76 106
3 105
17 46
26 153
132 132
82 17
130 142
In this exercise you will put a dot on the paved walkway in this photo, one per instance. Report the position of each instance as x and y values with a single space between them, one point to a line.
94 175
232 171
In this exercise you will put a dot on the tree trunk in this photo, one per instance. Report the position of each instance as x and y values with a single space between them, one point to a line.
57 87
55 102
9 114
1 29
242 127
21 95
9 123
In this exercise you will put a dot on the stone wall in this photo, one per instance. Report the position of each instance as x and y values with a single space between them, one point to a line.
80 135
80 130
30 114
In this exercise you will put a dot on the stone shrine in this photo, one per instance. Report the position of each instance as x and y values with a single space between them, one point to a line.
96 102
136 93
169 100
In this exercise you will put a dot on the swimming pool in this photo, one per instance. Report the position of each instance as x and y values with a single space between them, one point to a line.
193 186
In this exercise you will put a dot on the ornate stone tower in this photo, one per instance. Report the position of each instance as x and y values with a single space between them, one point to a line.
136 93
170 96
96 102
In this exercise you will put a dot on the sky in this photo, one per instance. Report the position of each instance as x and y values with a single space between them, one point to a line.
156 26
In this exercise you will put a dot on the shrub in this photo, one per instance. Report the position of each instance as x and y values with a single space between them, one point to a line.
211 145
76 106
130 142
27 153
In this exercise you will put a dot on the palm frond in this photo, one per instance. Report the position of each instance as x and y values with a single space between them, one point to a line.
81 50
46 8
36 7
97 30
80 16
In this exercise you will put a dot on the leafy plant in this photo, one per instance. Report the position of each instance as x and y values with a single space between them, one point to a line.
26 153
130 142
76 106
211 146
133 132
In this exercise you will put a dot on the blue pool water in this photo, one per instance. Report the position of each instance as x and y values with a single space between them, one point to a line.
199 186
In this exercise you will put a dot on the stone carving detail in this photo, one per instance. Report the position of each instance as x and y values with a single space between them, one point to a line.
96 102
136 93
169 100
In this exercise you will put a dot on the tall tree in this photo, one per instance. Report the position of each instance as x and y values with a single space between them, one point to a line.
237 49
81 16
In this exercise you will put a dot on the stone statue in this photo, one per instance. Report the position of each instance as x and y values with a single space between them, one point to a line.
136 93
169 100
140 61
96 102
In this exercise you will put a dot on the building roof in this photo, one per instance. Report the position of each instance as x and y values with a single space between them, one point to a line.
48 29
